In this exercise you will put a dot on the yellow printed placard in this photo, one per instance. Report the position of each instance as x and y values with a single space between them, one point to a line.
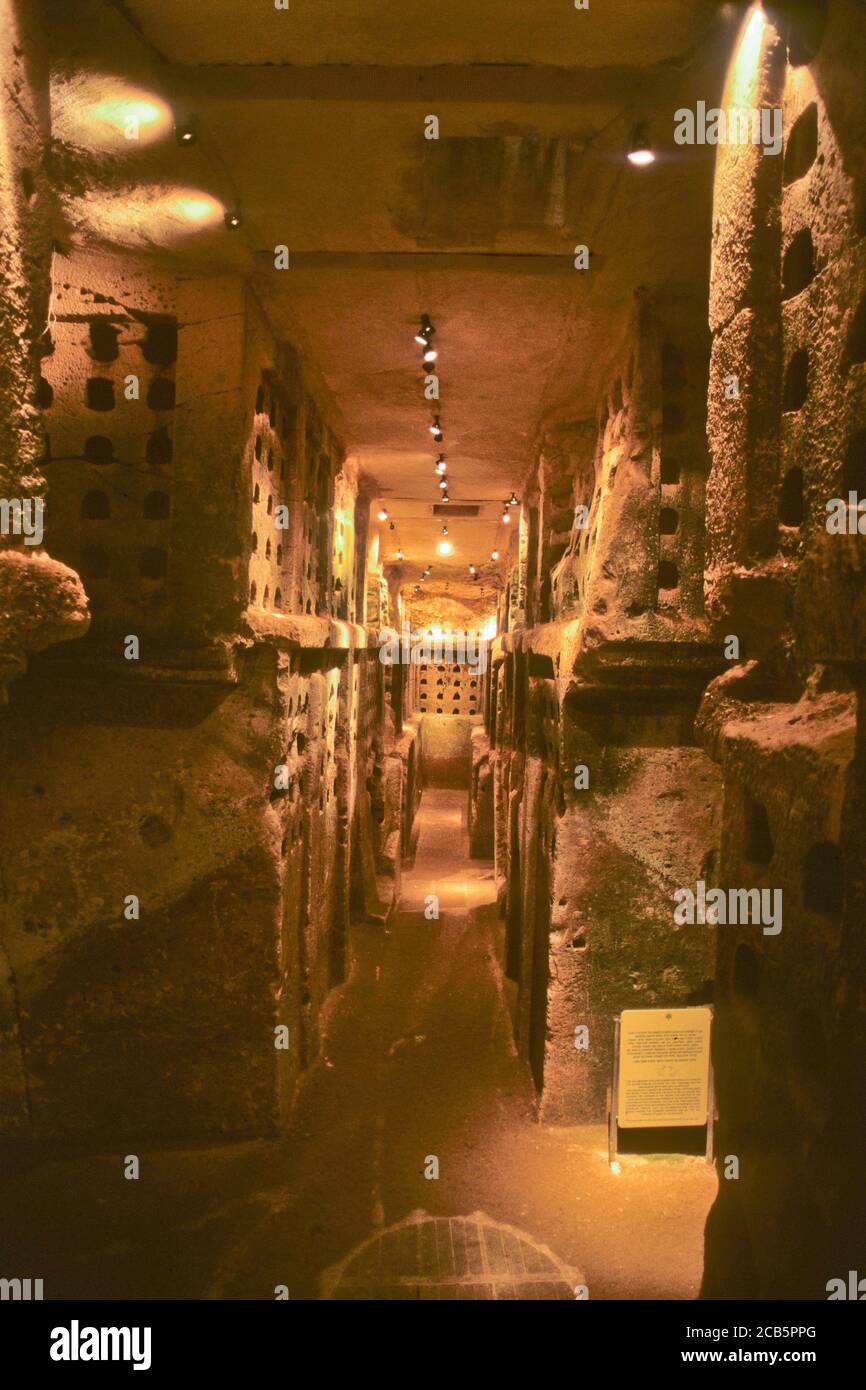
664 1067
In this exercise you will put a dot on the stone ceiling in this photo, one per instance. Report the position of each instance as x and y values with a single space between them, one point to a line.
311 120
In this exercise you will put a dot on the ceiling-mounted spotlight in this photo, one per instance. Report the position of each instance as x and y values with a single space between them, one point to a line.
442 484
494 554
186 133
472 570
391 526
445 497
512 501
640 151
399 554
429 356
425 332
436 429
233 219
441 465
445 530
382 514
445 548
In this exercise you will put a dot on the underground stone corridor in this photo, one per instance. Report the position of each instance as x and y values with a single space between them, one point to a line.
432 657
418 1060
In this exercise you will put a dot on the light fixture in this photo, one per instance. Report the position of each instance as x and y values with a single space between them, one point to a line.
441 465
186 133
472 569
494 554
442 484
399 555
445 530
445 497
382 514
430 356
425 332
391 526
512 501
640 152
445 548
506 515
233 219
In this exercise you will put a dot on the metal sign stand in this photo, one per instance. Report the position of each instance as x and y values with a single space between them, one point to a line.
613 1106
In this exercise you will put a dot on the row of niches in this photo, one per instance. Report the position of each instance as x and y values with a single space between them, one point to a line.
116 359
447 689
796 506
673 384
155 450
120 568
272 408
796 377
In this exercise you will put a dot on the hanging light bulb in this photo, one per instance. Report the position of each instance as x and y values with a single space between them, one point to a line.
640 152
185 133
382 514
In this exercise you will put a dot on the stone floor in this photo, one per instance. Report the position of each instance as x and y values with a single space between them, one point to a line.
419 1065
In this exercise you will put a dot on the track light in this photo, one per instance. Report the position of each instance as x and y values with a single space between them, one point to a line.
494 554
425 332
430 357
472 570
382 514
445 530
186 133
436 429
391 526
445 497
441 465
640 152
442 484
399 555
233 219
512 501
506 515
